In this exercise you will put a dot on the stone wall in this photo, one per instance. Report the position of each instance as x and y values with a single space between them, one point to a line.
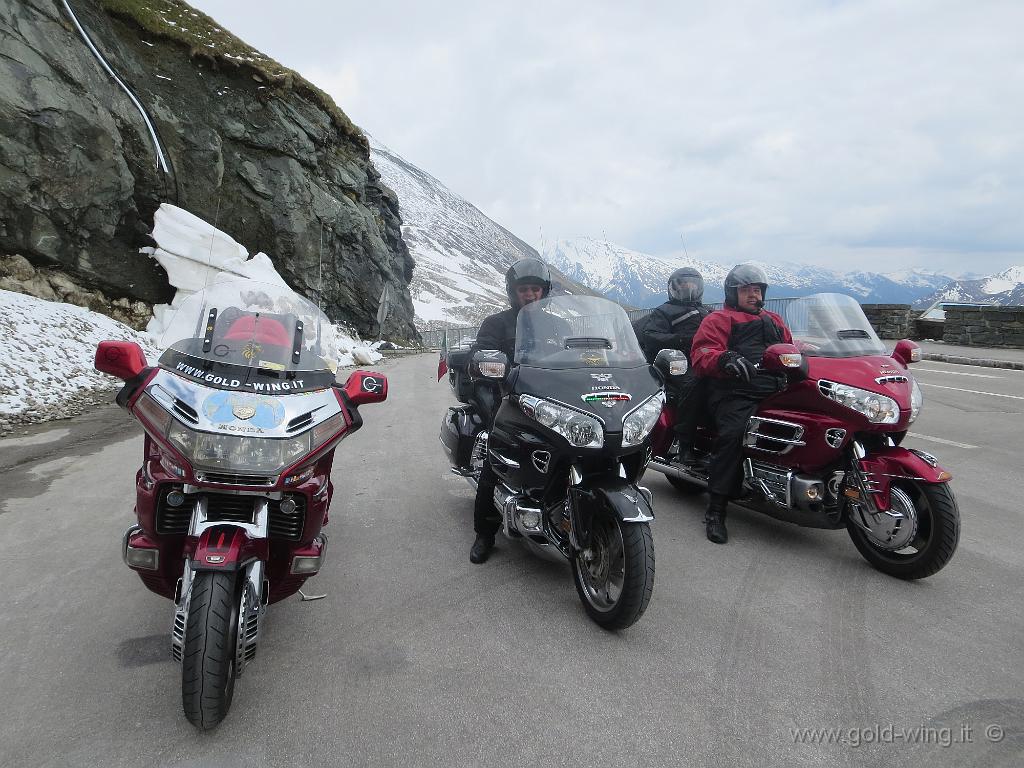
985 326
53 284
890 321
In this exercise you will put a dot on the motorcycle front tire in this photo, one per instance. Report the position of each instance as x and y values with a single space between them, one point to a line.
936 540
634 567
208 660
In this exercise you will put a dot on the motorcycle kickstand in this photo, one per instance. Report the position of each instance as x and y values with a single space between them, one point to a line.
310 598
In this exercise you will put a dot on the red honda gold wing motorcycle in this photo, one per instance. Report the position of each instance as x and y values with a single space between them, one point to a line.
242 416
827 451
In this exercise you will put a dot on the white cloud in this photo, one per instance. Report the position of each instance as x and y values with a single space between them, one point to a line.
814 130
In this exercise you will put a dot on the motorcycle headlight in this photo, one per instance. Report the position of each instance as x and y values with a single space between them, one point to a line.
879 409
916 400
640 421
580 429
206 450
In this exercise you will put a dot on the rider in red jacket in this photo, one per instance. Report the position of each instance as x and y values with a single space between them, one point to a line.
727 348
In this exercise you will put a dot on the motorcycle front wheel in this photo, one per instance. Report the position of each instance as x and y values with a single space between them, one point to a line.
208 660
933 510
614 576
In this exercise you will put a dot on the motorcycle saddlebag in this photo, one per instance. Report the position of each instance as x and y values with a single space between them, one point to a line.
459 428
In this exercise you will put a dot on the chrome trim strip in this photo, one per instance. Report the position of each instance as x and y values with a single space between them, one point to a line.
504 459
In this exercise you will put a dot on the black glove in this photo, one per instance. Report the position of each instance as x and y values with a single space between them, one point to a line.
735 364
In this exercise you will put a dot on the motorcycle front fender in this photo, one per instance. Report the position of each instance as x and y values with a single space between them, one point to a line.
880 468
626 500
226 548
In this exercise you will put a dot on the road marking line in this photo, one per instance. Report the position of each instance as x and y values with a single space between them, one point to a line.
958 373
940 440
971 391
968 365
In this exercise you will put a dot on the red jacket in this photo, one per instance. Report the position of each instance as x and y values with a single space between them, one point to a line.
730 329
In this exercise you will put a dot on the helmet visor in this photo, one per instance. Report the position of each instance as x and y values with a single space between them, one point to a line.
686 287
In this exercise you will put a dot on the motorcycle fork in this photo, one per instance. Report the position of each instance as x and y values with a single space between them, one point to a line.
579 520
859 490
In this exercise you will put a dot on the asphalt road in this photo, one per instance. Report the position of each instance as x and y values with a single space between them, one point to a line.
418 658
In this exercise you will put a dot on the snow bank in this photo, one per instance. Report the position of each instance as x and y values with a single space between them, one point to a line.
196 254
46 354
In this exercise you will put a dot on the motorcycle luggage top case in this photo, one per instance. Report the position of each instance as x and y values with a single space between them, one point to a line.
459 428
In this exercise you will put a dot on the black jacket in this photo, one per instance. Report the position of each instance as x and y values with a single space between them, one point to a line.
673 326
498 331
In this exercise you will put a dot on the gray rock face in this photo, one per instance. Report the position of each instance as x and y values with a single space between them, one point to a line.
79 180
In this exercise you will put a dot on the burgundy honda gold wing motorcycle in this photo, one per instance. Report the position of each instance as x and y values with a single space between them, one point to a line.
568 443
241 417
828 450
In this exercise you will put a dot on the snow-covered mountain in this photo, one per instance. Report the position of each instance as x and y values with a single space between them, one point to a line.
1004 289
639 279
461 255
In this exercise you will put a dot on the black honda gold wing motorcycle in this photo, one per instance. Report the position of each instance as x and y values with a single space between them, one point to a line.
569 442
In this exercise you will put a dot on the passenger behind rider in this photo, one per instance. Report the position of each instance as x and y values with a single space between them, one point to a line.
672 326
726 349
527 281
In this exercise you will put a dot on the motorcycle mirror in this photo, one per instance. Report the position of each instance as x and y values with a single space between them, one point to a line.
366 387
907 352
782 358
123 359
672 362
490 364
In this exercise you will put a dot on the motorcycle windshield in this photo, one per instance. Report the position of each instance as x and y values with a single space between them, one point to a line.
831 325
246 335
576 332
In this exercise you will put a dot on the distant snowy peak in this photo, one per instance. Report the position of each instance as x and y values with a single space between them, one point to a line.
1004 289
1004 281
639 279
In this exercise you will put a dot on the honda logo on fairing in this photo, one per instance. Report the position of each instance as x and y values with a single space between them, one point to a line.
601 376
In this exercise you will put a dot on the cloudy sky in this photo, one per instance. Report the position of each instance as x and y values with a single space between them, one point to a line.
875 135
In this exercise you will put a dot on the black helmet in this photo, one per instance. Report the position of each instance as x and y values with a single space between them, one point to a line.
686 284
527 271
744 274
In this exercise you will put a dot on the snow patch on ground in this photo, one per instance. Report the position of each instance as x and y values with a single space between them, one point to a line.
46 356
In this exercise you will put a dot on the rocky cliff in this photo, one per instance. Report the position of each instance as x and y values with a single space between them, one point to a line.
247 145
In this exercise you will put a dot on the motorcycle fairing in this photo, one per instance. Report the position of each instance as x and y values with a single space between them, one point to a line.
568 386
817 452
220 411
884 465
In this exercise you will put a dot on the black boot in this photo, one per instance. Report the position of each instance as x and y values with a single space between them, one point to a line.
714 519
481 549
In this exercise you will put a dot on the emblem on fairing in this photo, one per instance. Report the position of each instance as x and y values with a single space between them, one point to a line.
243 412
601 376
607 399
265 412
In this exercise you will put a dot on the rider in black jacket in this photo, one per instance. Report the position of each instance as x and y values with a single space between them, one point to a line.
672 326
527 281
